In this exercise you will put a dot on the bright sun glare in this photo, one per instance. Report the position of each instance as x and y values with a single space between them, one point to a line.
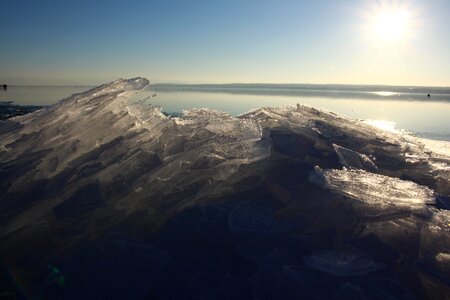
391 25
390 22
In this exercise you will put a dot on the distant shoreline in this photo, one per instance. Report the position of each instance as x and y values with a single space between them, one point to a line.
311 87
337 92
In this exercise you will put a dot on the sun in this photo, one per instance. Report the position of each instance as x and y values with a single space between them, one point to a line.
391 25
390 22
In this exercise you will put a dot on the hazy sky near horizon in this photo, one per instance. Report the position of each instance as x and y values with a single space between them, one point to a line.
328 41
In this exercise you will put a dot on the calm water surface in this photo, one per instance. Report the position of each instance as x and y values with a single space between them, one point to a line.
427 117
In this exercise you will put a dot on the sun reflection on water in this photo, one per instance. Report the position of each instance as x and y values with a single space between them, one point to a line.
382 124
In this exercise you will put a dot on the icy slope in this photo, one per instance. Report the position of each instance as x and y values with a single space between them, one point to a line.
286 192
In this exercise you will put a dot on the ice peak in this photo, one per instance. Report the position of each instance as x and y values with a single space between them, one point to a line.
112 88
136 83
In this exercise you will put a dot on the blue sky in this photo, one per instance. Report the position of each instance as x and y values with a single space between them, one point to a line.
88 42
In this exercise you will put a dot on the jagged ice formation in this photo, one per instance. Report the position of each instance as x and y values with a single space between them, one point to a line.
276 199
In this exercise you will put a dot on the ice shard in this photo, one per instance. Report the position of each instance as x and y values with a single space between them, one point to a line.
342 264
378 192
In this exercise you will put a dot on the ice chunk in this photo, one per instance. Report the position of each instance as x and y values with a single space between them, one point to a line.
350 158
375 190
395 153
205 121
441 222
342 263
435 240
147 116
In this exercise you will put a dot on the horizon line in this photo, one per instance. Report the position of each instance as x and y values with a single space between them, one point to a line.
236 83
